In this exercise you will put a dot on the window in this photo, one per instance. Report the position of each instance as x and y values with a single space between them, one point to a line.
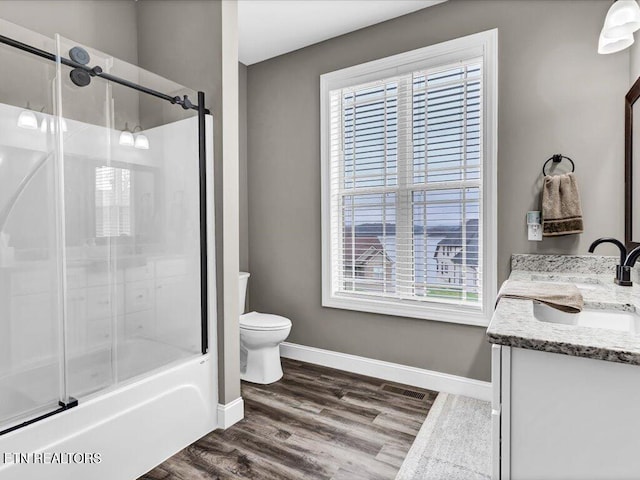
113 201
409 183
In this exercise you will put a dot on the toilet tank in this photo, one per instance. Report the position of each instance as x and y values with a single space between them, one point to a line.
242 290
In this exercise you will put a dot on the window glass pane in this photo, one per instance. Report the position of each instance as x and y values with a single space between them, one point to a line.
369 243
445 224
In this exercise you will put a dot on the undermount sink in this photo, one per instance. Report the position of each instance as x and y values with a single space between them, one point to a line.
620 320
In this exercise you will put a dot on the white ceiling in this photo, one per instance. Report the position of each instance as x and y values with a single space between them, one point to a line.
268 28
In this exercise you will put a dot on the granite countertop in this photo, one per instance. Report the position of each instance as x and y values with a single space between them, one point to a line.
513 323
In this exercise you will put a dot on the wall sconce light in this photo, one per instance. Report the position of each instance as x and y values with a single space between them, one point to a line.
141 140
44 123
622 20
27 119
50 125
126 137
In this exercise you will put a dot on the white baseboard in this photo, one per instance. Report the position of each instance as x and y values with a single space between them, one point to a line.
393 372
230 413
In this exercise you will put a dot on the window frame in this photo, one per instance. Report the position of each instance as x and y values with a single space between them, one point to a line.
485 45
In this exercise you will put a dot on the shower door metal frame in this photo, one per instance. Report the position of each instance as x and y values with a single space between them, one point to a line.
186 104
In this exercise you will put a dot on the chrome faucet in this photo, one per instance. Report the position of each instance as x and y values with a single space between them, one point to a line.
623 270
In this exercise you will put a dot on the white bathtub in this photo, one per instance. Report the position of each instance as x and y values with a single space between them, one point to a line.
130 428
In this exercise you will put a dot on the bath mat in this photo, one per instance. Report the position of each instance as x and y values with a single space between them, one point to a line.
454 443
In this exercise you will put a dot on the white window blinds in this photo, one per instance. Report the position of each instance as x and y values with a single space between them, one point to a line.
113 201
406 167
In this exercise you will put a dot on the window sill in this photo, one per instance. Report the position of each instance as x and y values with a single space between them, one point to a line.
439 312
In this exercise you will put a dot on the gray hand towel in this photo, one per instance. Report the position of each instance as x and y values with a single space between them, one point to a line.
563 296
561 210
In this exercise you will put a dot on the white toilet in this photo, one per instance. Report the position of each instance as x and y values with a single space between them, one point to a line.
260 337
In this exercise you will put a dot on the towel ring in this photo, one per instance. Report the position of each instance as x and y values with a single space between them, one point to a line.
557 158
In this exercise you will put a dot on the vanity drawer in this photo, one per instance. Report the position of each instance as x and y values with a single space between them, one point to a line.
99 302
98 332
139 296
101 277
136 274
139 324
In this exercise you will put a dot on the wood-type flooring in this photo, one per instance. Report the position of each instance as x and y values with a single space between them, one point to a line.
316 423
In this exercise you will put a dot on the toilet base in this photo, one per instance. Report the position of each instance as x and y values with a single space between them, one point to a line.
261 365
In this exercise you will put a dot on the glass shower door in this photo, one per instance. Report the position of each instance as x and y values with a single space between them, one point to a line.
31 310
93 295
132 231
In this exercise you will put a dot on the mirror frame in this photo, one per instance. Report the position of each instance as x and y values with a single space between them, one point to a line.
630 98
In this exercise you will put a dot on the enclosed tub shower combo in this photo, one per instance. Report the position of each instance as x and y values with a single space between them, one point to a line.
107 340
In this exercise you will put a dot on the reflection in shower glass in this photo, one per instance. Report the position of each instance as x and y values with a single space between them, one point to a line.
113 201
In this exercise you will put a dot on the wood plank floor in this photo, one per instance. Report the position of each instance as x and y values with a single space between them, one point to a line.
316 423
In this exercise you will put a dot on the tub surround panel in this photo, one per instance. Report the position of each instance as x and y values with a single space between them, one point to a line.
513 323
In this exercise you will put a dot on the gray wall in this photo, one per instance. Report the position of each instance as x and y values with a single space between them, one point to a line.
556 94
244 190
634 62
107 25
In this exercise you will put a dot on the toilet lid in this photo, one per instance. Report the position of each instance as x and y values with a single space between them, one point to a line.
263 321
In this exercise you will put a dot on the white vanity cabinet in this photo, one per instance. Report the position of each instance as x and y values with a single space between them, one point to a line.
564 417
145 299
